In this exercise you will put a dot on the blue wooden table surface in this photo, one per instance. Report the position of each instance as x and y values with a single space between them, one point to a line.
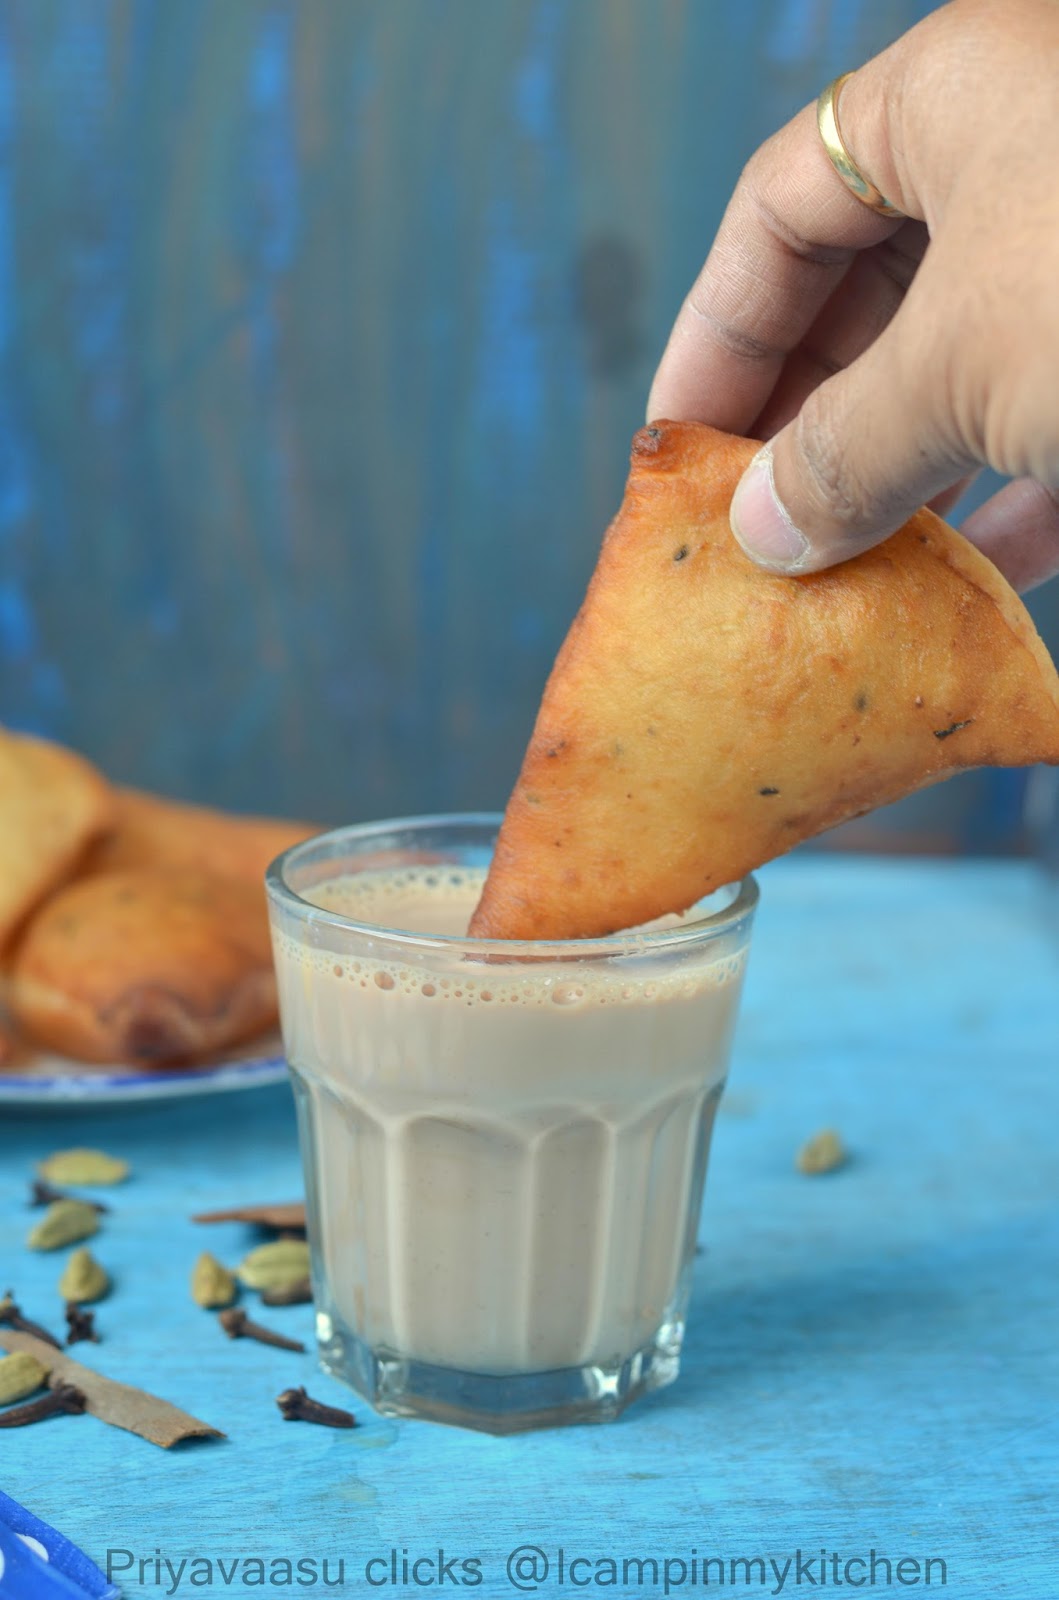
872 1357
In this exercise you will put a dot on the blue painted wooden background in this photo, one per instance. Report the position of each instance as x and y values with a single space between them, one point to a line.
323 330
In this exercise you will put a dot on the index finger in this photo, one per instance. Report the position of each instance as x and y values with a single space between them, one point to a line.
787 237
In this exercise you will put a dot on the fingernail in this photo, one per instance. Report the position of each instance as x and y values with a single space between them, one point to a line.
761 522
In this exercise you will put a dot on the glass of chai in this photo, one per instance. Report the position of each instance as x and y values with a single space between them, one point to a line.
504 1142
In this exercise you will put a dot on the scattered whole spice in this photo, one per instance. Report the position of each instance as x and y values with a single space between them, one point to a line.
20 1374
62 1397
83 1166
80 1325
11 1317
299 1293
120 1404
44 1194
275 1265
824 1152
212 1285
83 1278
281 1214
64 1222
237 1325
297 1406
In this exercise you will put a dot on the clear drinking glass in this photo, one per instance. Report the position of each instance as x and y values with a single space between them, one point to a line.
504 1142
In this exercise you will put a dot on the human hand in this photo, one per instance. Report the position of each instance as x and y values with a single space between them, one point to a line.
885 359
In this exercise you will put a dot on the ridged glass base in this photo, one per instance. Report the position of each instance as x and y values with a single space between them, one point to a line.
398 1386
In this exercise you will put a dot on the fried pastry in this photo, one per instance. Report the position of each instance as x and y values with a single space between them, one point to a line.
155 966
704 715
53 803
151 832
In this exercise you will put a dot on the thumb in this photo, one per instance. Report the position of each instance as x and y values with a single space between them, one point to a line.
868 448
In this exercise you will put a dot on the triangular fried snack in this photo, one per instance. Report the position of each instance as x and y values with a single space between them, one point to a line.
53 803
704 716
149 831
156 966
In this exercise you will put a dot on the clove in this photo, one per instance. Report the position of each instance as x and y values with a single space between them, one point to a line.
297 1406
81 1324
11 1317
62 1397
44 1194
237 1325
299 1293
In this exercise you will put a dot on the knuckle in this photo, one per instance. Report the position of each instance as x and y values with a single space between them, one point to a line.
997 378
762 187
899 258
946 328
1019 423
733 339
833 482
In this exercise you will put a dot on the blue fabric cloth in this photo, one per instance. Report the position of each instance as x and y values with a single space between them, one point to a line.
62 1572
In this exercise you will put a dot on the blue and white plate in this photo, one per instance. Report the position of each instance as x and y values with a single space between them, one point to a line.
41 1080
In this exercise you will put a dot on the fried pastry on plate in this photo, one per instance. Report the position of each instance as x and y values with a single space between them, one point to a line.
154 967
151 832
53 803
704 716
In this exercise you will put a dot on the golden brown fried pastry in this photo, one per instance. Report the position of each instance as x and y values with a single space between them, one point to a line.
704 716
157 967
151 832
53 803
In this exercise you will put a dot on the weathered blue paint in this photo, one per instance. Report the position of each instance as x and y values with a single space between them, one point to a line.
323 330
20 648
17 630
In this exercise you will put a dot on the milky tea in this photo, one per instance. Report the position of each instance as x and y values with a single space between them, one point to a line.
505 1145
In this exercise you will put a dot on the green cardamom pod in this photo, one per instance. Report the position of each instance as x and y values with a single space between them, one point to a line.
212 1285
87 1167
273 1266
64 1222
824 1152
83 1278
20 1375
